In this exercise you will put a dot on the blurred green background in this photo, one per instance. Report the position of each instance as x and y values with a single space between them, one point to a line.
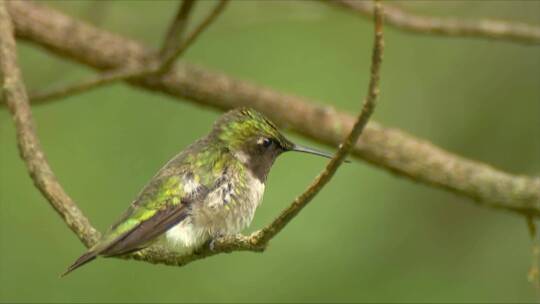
369 236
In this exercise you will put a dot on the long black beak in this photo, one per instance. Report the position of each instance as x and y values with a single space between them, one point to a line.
308 150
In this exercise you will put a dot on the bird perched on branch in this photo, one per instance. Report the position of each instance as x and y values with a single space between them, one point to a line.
210 189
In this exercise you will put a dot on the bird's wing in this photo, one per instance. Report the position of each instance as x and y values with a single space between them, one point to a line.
162 204
139 232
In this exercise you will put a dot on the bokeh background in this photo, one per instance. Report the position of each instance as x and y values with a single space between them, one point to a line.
369 236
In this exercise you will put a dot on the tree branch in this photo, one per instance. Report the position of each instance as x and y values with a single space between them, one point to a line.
107 77
172 49
168 61
29 147
175 33
452 27
388 148
17 101
367 109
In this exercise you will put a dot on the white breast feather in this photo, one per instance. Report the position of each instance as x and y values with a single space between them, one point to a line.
257 190
185 237
219 196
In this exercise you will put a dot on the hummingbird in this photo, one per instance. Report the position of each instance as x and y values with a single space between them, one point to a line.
209 190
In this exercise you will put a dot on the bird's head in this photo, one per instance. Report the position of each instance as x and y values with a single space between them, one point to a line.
254 140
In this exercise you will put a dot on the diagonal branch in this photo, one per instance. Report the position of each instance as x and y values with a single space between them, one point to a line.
30 149
451 27
391 149
367 109
172 49
168 61
176 30
107 77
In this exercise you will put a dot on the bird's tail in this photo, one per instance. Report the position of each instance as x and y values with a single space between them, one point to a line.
83 259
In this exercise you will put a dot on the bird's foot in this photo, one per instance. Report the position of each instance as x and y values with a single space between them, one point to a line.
213 242
212 245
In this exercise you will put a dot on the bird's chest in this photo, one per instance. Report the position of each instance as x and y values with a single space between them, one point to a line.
230 206
227 209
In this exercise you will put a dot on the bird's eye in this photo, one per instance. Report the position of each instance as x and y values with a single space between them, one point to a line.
265 142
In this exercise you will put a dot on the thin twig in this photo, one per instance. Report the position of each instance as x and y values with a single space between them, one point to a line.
154 66
367 109
452 27
169 60
391 149
92 83
175 33
29 147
